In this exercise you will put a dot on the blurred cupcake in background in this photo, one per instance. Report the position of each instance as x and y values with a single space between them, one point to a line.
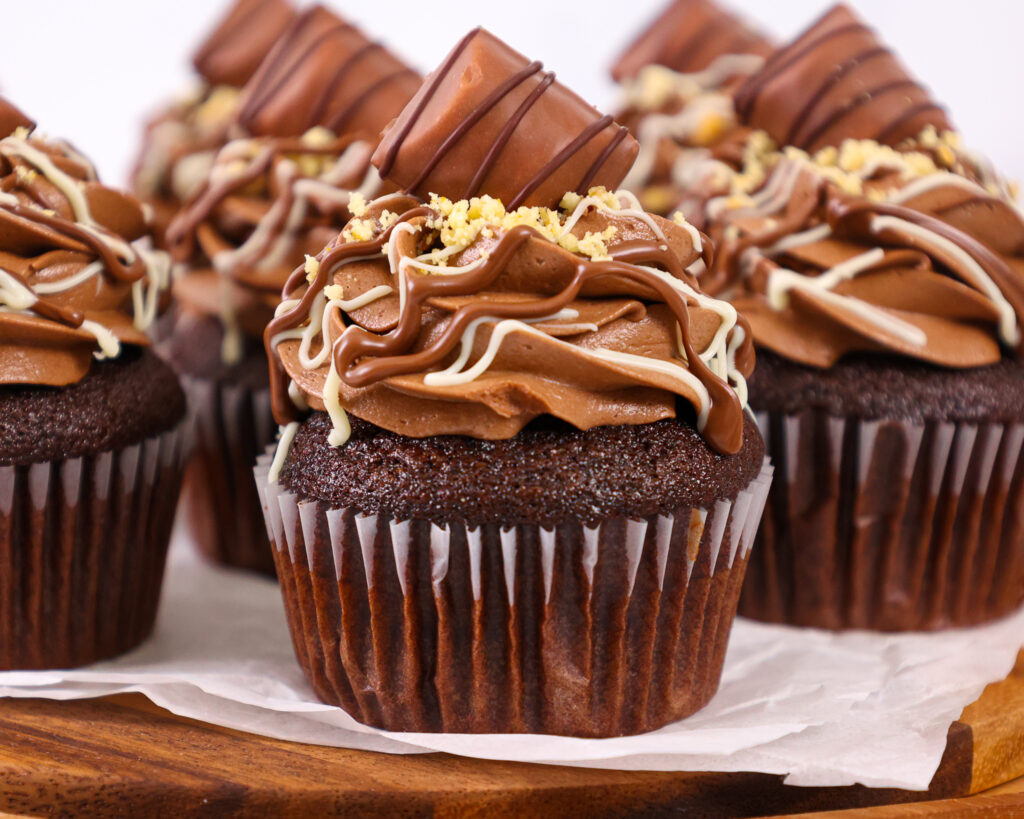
181 140
516 484
676 81
881 267
313 112
91 420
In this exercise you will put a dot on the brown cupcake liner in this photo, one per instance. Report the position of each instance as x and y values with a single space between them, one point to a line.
888 524
83 544
595 631
220 505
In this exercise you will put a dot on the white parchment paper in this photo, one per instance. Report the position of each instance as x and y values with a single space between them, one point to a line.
821 708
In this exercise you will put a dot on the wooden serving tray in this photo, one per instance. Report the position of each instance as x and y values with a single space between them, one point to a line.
124 756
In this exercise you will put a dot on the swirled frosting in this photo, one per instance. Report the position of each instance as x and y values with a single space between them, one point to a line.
266 203
181 140
855 222
677 81
77 276
315 108
870 249
462 318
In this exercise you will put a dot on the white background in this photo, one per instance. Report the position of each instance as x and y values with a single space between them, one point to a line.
89 70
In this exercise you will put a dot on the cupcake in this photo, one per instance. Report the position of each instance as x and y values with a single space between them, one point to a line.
91 436
676 81
313 112
881 267
181 140
516 486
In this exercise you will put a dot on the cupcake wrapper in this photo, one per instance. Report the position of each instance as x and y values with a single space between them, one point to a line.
888 524
220 505
82 549
587 631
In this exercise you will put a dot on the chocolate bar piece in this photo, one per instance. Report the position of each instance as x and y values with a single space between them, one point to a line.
837 81
233 50
687 37
489 121
324 71
11 118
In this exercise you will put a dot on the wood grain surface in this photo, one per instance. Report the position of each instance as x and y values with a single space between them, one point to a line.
123 756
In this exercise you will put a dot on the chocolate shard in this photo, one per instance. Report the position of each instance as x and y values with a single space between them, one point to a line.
687 37
324 71
11 119
490 121
233 51
837 81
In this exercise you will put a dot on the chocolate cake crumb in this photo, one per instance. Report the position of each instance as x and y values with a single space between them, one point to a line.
881 386
119 403
549 473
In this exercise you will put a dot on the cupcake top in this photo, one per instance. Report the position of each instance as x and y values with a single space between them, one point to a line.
677 81
77 276
433 313
858 223
316 105
180 140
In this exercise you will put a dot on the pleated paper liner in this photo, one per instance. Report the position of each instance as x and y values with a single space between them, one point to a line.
82 549
888 524
586 631
220 505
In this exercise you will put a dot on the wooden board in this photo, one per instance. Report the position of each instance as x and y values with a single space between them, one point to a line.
125 756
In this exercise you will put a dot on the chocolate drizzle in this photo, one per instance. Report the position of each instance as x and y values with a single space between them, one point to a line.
489 126
853 218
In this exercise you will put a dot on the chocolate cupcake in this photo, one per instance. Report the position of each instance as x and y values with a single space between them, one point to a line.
881 268
677 79
181 140
314 109
91 436
516 487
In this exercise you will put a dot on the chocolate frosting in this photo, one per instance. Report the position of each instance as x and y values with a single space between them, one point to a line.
610 338
688 36
837 81
929 268
77 278
181 140
231 53
488 120
324 71
266 203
